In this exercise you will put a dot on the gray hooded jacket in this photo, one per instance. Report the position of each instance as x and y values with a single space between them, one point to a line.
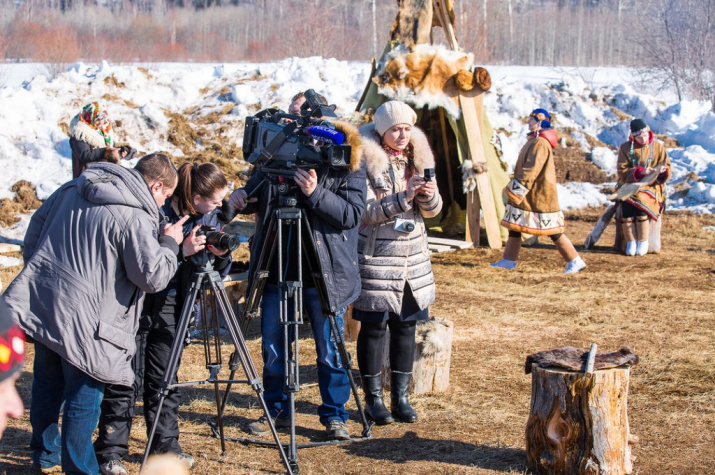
91 252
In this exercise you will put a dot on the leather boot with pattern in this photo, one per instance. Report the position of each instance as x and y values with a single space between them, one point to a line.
374 405
401 409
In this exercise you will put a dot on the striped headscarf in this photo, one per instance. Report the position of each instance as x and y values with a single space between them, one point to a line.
93 113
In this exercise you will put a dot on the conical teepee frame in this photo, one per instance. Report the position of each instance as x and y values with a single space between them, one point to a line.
467 138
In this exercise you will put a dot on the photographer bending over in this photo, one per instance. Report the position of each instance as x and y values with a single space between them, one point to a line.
199 193
333 200
91 251
395 268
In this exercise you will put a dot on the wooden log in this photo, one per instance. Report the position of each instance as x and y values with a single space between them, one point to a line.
654 235
433 357
654 245
578 424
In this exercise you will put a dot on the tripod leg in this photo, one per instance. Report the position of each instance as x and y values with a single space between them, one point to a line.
177 348
247 364
219 412
348 364
233 366
292 366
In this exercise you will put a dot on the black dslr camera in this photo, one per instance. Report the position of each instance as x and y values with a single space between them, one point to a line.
281 143
219 240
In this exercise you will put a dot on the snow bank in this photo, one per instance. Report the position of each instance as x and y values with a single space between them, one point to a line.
35 111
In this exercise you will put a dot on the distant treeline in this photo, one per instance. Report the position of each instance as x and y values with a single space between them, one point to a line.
674 36
525 32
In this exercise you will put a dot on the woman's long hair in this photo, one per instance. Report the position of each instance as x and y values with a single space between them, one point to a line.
202 179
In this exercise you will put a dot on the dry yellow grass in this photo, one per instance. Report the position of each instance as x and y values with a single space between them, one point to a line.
659 305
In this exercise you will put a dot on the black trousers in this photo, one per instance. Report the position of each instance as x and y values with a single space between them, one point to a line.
154 341
630 211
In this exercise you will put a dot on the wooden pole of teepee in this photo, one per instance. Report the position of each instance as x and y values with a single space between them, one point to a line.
471 113
450 180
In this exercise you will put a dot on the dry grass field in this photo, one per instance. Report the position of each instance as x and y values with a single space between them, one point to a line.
659 305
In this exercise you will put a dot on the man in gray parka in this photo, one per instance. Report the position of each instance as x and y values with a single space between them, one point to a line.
91 252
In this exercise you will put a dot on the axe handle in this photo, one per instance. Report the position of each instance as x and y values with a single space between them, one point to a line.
591 358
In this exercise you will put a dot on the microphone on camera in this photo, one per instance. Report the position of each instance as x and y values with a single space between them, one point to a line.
326 134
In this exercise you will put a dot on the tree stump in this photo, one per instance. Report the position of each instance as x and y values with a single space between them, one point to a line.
653 234
433 357
578 423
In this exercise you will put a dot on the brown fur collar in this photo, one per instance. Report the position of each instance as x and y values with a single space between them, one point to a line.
352 138
376 159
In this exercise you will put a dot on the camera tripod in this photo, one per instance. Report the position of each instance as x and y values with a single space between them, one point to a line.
213 295
289 215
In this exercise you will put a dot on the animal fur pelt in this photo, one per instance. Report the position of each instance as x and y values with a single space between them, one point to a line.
413 22
469 174
429 75
352 137
573 359
432 336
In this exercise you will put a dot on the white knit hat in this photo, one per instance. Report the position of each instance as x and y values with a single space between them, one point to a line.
393 113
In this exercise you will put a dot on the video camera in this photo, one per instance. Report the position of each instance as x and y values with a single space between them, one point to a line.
281 143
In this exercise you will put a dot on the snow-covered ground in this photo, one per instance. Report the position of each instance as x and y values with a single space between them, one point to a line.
34 109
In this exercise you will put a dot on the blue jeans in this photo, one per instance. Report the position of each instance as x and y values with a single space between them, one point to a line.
56 381
332 376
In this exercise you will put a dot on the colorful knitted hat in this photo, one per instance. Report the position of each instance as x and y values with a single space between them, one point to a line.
392 113
12 344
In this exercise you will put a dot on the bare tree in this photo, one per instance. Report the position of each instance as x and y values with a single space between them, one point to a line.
678 46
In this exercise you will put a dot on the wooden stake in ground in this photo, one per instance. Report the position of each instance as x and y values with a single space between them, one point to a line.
578 423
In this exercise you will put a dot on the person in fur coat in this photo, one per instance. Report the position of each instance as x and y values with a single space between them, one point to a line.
92 139
640 156
533 203
395 269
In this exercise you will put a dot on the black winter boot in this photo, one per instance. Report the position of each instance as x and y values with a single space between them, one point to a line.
401 409
374 405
